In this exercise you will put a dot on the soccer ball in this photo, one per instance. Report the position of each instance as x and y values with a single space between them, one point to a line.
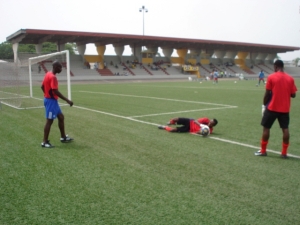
204 131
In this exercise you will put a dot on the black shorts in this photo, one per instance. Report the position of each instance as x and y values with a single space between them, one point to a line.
269 118
185 122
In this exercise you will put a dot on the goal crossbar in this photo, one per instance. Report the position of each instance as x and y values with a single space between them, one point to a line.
36 59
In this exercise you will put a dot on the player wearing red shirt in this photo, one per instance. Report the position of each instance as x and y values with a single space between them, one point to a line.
189 125
50 83
280 89
52 109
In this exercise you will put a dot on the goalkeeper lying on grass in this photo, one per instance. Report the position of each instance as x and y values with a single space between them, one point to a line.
190 125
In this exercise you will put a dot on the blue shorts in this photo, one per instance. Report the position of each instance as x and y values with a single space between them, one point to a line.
52 108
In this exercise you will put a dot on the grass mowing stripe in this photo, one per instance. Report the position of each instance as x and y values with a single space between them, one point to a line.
149 97
196 110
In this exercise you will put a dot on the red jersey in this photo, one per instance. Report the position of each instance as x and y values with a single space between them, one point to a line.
282 86
194 128
50 83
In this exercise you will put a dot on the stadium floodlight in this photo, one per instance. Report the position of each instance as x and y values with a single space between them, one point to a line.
143 9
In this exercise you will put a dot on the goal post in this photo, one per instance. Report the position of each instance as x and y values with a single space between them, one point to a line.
20 81
37 59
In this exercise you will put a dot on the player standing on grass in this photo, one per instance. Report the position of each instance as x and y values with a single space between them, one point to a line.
189 125
216 75
280 88
52 109
261 77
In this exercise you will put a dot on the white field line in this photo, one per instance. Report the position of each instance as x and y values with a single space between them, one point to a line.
252 146
212 87
195 110
111 114
154 124
33 107
166 99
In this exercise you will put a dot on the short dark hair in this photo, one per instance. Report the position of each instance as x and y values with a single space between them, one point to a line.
216 121
55 63
279 63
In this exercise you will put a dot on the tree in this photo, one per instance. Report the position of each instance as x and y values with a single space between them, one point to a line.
296 61
6 51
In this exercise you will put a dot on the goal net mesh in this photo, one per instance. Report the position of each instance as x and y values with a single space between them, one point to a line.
20 82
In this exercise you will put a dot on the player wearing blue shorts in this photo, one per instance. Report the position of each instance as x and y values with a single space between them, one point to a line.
52 108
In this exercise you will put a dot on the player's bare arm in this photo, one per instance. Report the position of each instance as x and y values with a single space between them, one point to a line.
267 97
60 95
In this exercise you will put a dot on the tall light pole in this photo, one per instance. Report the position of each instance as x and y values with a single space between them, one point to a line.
143 9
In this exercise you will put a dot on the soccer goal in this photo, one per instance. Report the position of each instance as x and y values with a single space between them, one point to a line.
20 83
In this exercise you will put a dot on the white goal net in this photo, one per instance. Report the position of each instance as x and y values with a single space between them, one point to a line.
20 83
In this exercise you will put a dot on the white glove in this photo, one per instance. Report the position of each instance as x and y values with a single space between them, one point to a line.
263 108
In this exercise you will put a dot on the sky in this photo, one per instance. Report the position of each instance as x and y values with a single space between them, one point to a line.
273 22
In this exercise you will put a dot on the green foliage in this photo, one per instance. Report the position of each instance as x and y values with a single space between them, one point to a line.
296 61
121 169
6 51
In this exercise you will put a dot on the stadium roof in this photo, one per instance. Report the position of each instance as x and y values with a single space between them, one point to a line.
34 36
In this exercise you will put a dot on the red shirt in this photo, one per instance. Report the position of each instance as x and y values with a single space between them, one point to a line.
282 87
50 83
194 128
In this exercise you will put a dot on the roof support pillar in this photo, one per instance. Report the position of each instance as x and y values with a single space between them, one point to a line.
60 47
182 54
81 50
101 50
119 49
167 53
270 58
261 57
229 56
15 50
38 48
220 55
241 60
136 52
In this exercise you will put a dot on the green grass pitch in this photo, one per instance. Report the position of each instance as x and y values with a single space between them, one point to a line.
121 169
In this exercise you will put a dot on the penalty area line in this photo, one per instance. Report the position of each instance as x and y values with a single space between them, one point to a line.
154 124
195 110
157 98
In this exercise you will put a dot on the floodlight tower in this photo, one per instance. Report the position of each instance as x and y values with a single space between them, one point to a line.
143 9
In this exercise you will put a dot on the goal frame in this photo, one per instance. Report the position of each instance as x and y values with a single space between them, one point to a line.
68 69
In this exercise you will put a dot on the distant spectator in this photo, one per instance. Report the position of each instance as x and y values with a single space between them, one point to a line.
40 68
221 74
96 65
